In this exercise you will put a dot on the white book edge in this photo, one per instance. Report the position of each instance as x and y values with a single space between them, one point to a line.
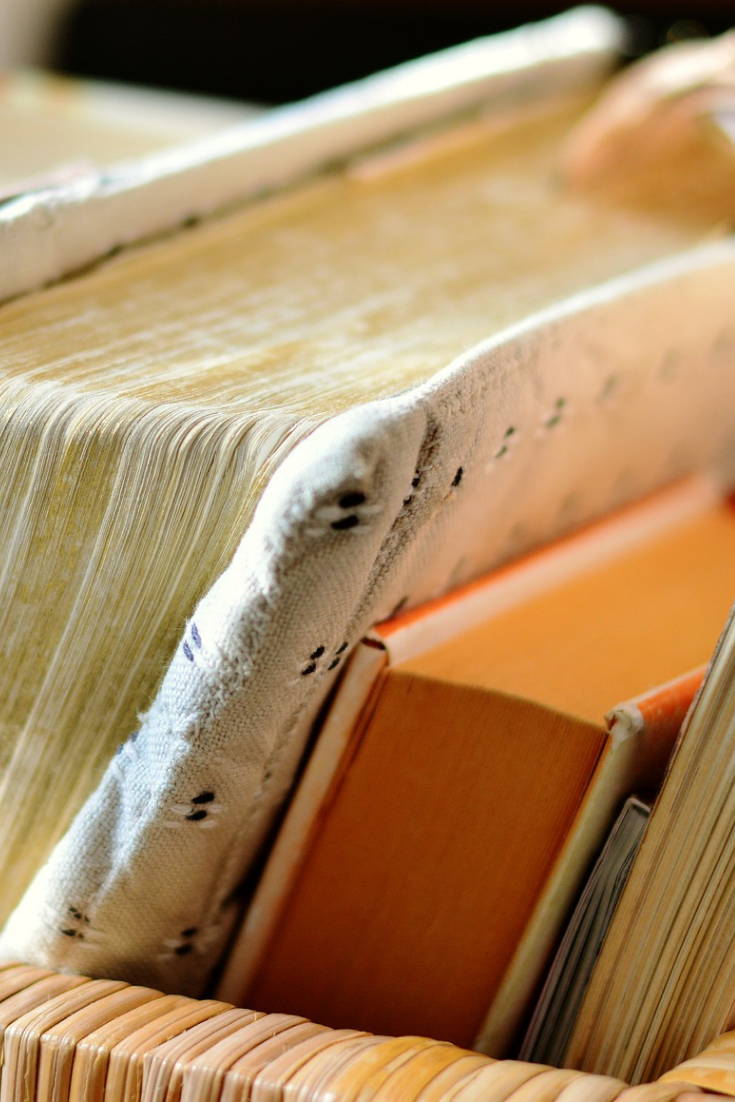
48 234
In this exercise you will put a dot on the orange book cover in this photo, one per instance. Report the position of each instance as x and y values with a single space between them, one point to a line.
455 804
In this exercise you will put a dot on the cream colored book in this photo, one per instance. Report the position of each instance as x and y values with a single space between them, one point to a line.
344 358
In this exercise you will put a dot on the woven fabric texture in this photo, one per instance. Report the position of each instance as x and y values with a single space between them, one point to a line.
527 436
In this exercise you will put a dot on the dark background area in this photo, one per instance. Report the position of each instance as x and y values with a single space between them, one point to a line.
285 49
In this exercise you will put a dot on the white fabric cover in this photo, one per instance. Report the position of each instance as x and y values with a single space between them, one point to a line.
615 392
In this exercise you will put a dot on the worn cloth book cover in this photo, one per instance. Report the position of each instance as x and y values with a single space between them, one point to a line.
609 372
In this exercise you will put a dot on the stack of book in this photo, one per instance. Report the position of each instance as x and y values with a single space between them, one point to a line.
277 371
466 779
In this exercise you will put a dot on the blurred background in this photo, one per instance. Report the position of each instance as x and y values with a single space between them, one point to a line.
273 51
85 84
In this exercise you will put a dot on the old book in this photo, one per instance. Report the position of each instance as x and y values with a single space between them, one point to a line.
270 389
671 941
442 829
553 1018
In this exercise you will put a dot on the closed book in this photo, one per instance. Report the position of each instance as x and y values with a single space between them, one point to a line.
425 870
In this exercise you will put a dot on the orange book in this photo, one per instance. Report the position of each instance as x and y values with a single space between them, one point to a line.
466 776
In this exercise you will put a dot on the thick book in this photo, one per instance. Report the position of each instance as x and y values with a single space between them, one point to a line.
460 808
363 350
245 391
671 939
